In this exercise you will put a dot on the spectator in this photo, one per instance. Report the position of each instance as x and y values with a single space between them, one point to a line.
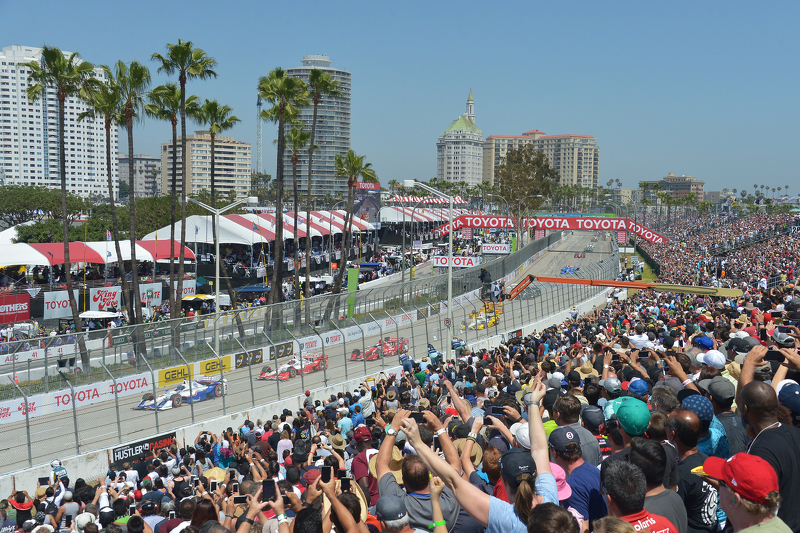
626 488
566 413
651 458
360 465
721 392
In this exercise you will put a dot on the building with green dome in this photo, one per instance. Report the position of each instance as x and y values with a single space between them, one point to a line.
459 151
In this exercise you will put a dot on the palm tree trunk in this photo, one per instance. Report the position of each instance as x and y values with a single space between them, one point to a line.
137 318
126 297
175 311
296 258
173 193
308 212
62 156
338 280
276 293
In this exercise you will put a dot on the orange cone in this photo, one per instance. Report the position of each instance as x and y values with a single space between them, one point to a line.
15 378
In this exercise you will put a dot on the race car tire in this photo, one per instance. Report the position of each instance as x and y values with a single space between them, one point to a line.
354 356
177 400
148 396
292 372
218 390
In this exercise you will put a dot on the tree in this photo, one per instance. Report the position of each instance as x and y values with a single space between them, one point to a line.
219 119
68 76
23 203
104 102
260 184
189 63
523 174
165 104
124 190
287 95
352 167
320 84
131 82
297 139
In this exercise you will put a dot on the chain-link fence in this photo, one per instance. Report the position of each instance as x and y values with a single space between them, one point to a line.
49 392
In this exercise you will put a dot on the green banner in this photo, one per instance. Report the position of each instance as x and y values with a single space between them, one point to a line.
513 244
352 287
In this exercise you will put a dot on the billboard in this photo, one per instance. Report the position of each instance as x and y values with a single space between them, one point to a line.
152 293
493 248
15 308
367 201
104 297
460 262
189 286
56 304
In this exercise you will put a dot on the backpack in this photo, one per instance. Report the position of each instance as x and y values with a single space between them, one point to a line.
51 509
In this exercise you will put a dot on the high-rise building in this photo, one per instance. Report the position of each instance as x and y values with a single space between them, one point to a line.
677 186
29 151
332 135
459 151
232 165
146 174
575 157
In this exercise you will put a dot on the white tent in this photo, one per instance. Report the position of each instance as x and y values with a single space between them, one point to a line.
199 230
8 235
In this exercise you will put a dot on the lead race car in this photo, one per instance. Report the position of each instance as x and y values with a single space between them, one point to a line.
385 348
204 388
296 365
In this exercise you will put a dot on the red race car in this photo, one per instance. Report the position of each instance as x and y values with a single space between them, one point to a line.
296 365
385 348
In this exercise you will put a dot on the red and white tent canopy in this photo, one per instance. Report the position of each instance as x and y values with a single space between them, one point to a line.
426 199
98 252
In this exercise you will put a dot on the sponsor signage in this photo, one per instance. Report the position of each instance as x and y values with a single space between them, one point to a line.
58 401
152 294
516 334
368 186
139 451
212 366
15 308
493 248
461 262
539 234
175 374
622 237
22 356
466 233
188 288
104 297
56 304
283 349
250 357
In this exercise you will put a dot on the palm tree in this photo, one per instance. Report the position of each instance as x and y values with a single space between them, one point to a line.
131 82
189 63
320 84
297 139
165 104
352 167
287 95
104 102
68 76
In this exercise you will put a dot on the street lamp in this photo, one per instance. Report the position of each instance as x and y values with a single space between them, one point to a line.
410 184
250 200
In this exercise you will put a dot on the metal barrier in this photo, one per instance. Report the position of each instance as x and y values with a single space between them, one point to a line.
101 397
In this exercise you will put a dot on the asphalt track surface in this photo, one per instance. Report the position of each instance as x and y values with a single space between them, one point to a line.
53 436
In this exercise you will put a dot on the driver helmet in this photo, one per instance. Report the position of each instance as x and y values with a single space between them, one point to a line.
55 463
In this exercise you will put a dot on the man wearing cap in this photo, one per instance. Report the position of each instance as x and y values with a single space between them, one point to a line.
566 413
360 465
699 496
583 479
713 441
308 402
748 493
721 392
391 510
773 441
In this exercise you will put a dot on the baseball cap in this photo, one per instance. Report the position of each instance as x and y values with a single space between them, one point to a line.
789 396
137 495
55 463
523 436
639 387
612 385
561 437
592 417
362 434
699 405
749 476
390 507
553 383
574 376
514 462
719 388
83 520
634 417
149 505
308 392
713 358
704 342
783 339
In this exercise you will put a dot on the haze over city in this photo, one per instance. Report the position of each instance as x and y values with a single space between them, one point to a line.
705 90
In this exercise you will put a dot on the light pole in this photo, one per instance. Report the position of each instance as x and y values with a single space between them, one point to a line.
250 200
330 237
411 184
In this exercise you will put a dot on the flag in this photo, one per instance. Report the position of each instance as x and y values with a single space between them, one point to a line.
196 229
108 235
255 228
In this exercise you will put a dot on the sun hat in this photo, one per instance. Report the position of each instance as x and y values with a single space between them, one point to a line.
587 369
395 465
564 490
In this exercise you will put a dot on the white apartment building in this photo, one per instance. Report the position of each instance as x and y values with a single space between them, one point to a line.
332 135
146 174
29 151
232 165
459 151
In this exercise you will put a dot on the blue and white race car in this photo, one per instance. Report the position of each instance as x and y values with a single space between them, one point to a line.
204 388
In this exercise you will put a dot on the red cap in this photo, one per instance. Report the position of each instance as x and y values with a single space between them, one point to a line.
137 495
578 345
749 476
362 434
308 393
311 476
625 385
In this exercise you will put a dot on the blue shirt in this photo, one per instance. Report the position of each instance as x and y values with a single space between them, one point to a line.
503 517
586 497
716 442
345 425
357 419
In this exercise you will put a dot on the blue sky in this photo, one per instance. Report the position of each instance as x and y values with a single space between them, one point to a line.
706 89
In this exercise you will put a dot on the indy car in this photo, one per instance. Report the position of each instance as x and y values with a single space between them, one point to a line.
386 348
580 254
569 269
204 388
480 322
296 365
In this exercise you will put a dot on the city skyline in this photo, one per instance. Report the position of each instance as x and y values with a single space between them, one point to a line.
700 90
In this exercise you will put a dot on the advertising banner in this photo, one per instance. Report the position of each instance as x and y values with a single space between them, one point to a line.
622 237
16 308
152 294
492 248
139 451
189 286
539 234
104 297
211 366
22 356
250 357
173 375
367 201
458 262
56 304
466 233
